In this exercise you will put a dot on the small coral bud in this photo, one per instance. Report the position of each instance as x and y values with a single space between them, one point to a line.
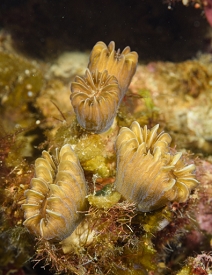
82 236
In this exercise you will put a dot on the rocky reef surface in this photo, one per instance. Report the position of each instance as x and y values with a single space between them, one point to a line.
112 236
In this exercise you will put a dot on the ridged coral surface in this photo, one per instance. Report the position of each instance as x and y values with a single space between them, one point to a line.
56 193
148 174
120 64
95 99
96 96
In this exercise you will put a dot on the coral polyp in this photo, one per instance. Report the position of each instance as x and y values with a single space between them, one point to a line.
96 96
56 193
95 99
120 64
148 173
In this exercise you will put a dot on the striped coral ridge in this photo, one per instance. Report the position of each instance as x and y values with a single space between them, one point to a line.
56 194
148 174
120 64
95 99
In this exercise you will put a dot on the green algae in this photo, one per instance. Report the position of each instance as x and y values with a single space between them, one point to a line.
15 247
186 270
105 198
139 107
125 238
18 77
152 222
20 83
146 95
91 149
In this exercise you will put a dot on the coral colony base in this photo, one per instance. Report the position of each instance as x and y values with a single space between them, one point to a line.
83 232
104 199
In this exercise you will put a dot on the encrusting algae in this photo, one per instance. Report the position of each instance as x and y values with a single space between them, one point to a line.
108 197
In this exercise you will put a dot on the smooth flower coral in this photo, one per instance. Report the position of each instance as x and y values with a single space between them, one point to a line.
97 96
120 64
56 193
148 174
95 99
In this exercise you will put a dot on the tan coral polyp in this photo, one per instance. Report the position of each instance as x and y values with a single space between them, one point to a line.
56 193
120 64
147 173
95 99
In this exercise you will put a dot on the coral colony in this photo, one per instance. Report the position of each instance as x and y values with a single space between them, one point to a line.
107 232
104 199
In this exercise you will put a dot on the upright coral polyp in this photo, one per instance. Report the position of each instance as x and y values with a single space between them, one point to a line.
95 99
96 96
120 64
56 193
148 174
